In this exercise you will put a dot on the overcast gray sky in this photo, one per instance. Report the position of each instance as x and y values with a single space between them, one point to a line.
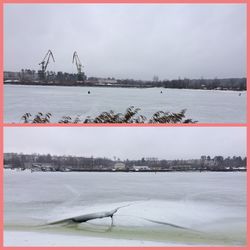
128 142
129 41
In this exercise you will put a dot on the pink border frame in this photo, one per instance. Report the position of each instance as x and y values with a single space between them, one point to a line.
119 125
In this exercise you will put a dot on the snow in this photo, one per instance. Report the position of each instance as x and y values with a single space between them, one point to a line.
202 105
210 206
13 238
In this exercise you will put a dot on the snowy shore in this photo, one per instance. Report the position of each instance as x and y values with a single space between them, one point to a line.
23 238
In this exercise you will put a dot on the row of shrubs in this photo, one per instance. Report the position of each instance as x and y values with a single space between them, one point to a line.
131 115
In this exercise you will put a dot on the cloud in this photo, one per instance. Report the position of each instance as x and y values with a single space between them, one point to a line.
129 41
128 142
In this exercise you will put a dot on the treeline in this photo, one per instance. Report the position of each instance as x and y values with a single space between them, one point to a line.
28 76
220 84
25 161
15 160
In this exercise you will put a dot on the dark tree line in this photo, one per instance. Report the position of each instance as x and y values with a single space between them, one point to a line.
25 160
59 162
64 78
227 84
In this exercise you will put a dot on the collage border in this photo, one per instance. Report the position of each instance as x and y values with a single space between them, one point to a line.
3 125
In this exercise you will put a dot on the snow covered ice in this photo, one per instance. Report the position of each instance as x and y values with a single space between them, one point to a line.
210 208
209 106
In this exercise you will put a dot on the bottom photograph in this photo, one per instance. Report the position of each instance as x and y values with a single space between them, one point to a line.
125 186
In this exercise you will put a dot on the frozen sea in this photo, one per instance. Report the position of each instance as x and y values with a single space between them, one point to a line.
162 209
205 106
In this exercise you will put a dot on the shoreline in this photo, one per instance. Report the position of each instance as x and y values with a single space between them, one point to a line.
141 171
18 238
110 86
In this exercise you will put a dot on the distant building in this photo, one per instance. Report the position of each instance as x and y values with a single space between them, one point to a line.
25 75
141 168
210 163
107 81
28 75
119 166
8 166
8 156
11 76
37 167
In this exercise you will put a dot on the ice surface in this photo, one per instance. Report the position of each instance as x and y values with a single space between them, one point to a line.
202 105
44 239
211 206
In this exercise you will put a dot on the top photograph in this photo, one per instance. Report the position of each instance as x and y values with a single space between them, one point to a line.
125 63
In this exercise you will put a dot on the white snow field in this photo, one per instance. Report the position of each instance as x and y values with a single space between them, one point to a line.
162 209
208 106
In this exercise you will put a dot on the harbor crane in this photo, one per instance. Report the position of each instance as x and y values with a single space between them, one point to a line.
44 64
79 66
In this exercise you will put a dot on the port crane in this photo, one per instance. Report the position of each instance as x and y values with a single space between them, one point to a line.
78 66
45 63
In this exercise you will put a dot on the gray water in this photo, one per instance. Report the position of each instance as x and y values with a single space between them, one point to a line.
207 106
211 207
